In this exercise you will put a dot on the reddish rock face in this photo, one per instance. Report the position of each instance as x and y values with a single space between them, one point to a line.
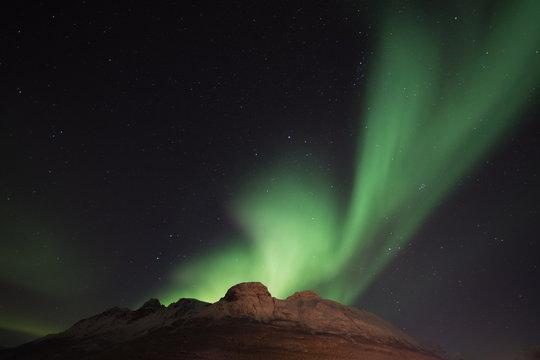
247 323
247 291
245 300
304 295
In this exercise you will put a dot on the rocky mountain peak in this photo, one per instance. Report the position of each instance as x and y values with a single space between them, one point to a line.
148 307
304 295
247 290
245 300
152 304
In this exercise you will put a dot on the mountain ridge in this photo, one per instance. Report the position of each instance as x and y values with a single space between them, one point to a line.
246 323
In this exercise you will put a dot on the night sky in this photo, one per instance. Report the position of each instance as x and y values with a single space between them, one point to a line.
156 151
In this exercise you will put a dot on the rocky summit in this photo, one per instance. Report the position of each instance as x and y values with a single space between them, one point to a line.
247 323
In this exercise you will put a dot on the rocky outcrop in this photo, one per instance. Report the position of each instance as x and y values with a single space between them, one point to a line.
117 325
148 308
245 300
304 310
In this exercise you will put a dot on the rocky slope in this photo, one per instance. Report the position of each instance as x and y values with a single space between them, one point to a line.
247 323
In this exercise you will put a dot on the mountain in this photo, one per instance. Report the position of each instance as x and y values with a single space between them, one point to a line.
247 323
532 353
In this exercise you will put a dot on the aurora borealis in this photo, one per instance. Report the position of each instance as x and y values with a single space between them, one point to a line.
384 156
422 132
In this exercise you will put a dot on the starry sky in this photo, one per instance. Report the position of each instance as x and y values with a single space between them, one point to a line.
153 151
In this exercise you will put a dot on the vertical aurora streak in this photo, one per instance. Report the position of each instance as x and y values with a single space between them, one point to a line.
428 125
435 106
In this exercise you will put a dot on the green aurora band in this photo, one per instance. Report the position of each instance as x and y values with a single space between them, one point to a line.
34 261
434 107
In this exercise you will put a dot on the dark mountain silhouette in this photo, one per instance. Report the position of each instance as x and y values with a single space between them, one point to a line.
247 323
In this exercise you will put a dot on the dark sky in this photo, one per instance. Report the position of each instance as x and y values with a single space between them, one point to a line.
126 130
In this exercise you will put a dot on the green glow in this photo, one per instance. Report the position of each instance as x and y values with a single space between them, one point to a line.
288 226
44 270
435 107
29 327
27 324
38 262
